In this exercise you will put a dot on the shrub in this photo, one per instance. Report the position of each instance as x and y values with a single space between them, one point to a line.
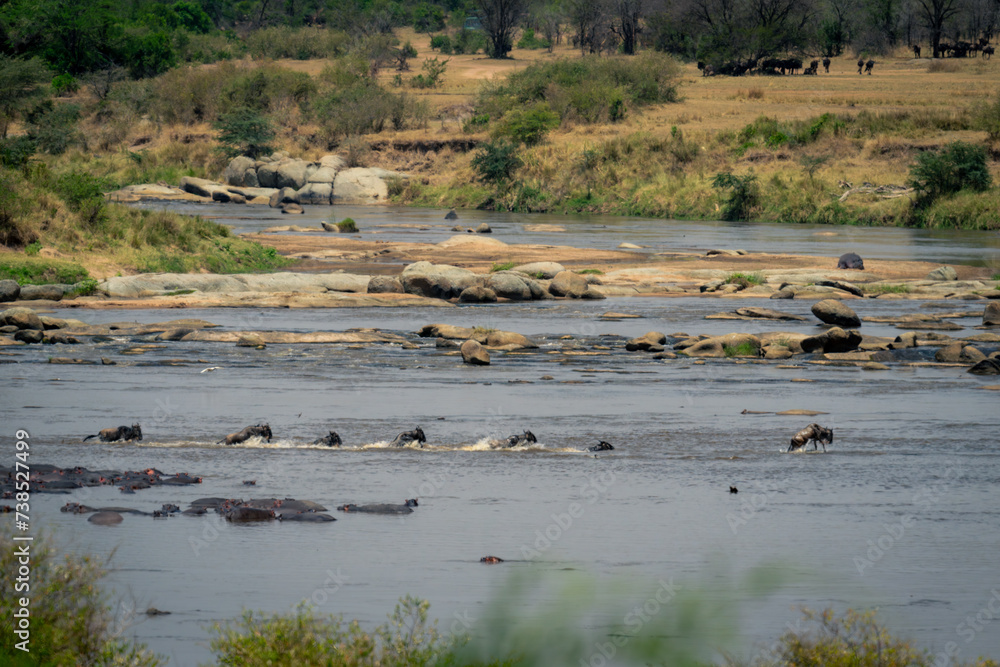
65 84
433 71
745 349
530 41
744 195
14 231
347 225
71 622
52 127
442 43
245 132
16 151
502 266
357 105
495 162
296 43
267 88
469 42
744 280
21 87
527 126
957 166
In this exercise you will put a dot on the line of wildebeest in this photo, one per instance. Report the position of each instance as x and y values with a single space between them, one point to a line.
782 66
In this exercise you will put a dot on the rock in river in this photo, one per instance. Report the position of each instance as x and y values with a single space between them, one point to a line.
834 312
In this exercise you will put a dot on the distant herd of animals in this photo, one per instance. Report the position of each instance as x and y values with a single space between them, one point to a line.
814 433
782 66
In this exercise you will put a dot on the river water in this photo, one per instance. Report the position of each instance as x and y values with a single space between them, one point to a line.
899 514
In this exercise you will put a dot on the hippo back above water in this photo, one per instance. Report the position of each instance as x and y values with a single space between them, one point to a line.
850 260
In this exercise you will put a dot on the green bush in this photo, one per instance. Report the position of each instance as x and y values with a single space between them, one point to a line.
245 132
502 266
296 43
744 195
433 71
495 162
65 84
469 42
356 104
530 41
52 127
956 167
265 89
527 126
71 621
347 225
441 43
744 280
16 151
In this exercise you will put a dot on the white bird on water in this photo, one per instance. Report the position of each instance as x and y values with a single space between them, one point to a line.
210 369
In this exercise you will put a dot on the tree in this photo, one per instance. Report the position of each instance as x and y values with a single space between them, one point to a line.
21 86
500 19
628 14
934 14
245 132
957 166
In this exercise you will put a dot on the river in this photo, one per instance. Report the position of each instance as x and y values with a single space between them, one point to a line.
899 514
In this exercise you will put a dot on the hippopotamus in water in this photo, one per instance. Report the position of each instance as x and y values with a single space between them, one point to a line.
491 559
382 508
819 435
514 440
850 260
126 433
331 440
262 430
601 447
405 438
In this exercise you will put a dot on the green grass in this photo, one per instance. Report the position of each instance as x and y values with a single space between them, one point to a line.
347 225
502 266
596 272
746 349
995 276
745 280
39 270
885 289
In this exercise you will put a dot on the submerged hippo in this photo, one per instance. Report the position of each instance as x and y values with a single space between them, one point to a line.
850 260
819 435
262 430
491 559
601 447
330 440
382 508
525 438
125 433
405 438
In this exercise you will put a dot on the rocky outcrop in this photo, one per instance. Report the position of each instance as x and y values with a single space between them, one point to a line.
943 273
831 311
251 339
475 354
958 353
986 367
510 339
734 344
477 294
153 284
568 284
439 281
450 331
545 270
509 285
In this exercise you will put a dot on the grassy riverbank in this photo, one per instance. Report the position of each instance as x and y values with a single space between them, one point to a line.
60 230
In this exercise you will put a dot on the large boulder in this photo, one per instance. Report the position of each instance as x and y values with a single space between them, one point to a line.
568 284
832 340
546 270
986 367
359 185
991 314
449 331
39 292
734 344
477 294
251 339
385 285
943 273
649 342
834 312
236 170
281 197
9 290
334 162
958 353
475 354
441 281
323 175
508 285
316 194
22 318
291 174
267 175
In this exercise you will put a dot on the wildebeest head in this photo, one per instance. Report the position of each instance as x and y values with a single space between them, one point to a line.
418 434
264 430
136 432
529 436
825 435
411 502
333 439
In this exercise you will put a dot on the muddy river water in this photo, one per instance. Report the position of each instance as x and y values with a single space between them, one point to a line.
901 513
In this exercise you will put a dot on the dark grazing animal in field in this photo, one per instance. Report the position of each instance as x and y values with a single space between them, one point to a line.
850 260
330 440
861 64
826 65
514 440
125 433
987 51
916 50
262 430
406 437
868 67
601 447
818 435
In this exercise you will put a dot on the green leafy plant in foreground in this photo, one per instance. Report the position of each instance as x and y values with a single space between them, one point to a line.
745 280
502 266
745 349
347 225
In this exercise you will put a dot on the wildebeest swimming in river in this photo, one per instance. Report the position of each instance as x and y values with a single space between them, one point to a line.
406 437
819 435
601 447
262 430
330 440
850 260
514 440
126 433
